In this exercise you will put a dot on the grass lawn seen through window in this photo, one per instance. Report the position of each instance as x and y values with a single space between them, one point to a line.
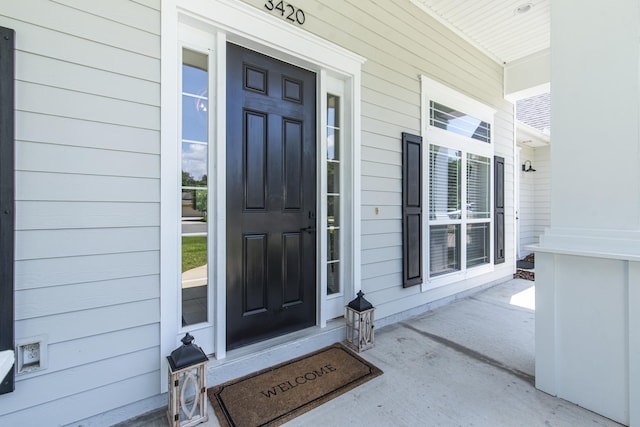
194 252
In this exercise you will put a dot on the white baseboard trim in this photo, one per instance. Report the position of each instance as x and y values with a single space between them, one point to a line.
598 243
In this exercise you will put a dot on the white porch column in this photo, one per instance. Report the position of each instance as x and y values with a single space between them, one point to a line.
588 262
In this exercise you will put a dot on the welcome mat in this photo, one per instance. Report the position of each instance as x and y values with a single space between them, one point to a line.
275 395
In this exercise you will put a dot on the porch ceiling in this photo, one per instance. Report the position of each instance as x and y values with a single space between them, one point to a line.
506 30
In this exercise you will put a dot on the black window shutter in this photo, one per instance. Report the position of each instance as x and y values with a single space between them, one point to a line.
498 210
7 216
411 209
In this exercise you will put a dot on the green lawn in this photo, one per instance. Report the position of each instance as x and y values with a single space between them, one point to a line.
194 252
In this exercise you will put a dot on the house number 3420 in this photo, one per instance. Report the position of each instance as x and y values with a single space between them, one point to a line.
287 11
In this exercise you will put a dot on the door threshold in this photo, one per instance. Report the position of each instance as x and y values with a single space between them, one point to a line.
263 354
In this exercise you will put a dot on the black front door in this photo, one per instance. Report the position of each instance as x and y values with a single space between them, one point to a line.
271 197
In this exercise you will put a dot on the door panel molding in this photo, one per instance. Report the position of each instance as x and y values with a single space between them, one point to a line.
272 160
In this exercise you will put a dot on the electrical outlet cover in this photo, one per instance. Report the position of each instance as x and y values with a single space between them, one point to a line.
31 355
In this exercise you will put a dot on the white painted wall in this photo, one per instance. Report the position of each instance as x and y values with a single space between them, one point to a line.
603 55
87 205
587 281
534 213
528 76
542 191
526 205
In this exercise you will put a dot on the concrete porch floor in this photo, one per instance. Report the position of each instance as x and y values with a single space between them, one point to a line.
469 363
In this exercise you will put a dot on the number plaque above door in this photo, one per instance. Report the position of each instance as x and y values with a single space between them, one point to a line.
287 11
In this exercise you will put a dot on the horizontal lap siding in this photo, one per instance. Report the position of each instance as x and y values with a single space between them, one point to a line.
100 384
87 205
119 393
400 42
542 190
535 197
48 272
526 208
42 302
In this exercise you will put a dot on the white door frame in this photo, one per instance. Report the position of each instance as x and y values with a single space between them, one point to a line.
256 29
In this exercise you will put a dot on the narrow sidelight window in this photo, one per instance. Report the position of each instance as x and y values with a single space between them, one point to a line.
194 187
334 281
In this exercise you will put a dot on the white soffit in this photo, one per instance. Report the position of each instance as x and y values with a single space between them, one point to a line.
530 137
495 26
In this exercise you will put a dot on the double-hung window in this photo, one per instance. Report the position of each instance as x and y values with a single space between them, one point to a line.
458 133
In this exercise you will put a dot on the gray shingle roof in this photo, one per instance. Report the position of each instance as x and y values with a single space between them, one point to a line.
535 112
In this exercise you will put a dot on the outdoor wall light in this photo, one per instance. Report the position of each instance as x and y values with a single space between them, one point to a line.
527 169
187 385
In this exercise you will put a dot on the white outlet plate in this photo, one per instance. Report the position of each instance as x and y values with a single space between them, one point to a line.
31 354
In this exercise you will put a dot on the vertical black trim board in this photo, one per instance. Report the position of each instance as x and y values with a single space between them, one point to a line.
498 211
411 210
7 215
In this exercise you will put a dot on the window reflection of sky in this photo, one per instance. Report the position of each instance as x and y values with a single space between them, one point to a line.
194 80
194 121
194 118
194 160
466 125
331 117
194 103
458 122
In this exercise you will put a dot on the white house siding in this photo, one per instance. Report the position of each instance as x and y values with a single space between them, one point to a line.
88 188
87 205
534 213
542 190
526 206
400 42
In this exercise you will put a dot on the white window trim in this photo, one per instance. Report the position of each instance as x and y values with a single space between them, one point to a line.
254 28
432 90
201 42
334 306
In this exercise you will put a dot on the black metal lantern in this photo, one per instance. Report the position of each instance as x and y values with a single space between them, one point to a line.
359 316
187 385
